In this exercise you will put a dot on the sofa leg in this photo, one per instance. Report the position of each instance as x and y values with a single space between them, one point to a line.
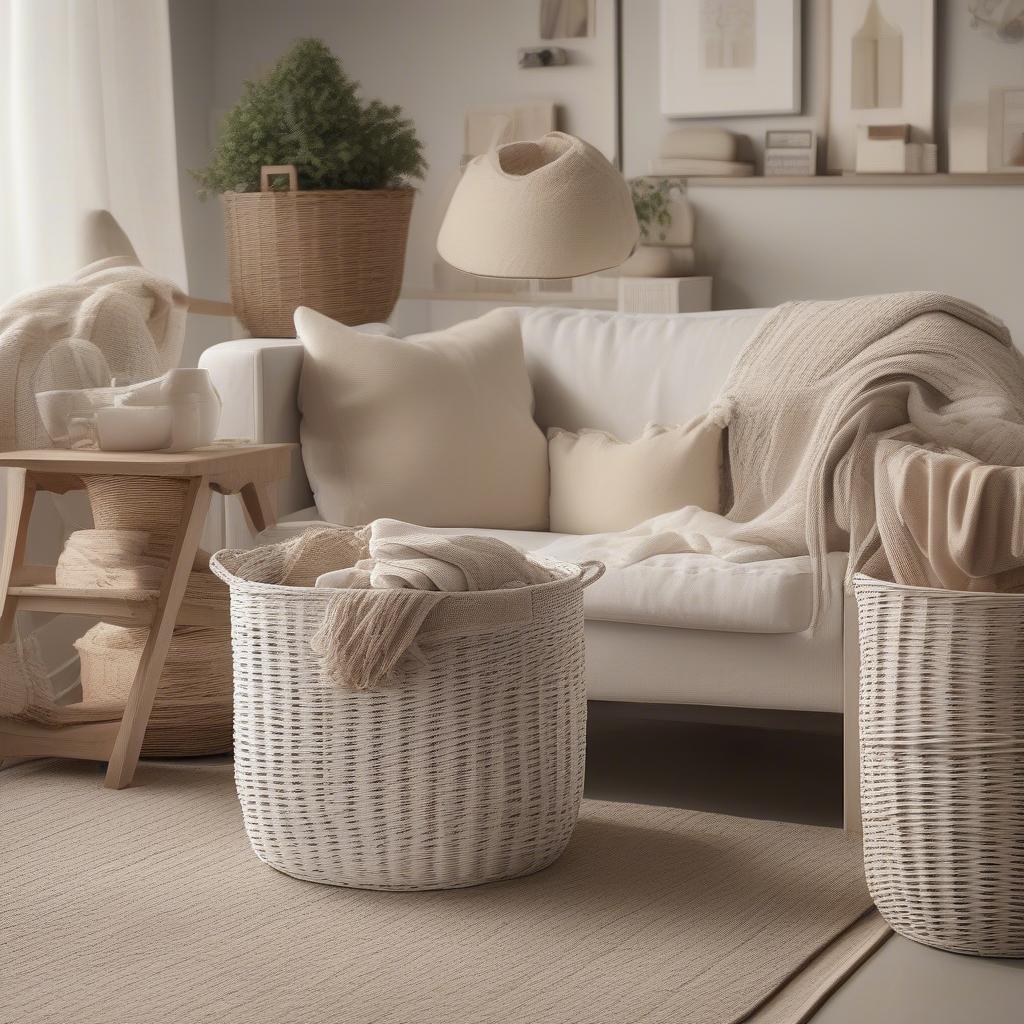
851 724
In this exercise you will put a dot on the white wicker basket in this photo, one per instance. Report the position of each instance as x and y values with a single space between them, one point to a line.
942 763
469 770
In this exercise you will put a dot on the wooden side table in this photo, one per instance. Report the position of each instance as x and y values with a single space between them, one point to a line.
249 471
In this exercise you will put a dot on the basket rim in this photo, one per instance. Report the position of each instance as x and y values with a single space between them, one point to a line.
870 582
404 190
573 573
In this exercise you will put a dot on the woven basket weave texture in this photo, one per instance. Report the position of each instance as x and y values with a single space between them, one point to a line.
340 252
942 763
469 770
192 712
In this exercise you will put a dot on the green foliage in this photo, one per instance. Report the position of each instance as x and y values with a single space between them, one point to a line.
651 202
306 111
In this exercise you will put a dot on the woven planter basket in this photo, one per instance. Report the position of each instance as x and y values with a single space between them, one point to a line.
119 503
341 253
942 763
192 712
469 770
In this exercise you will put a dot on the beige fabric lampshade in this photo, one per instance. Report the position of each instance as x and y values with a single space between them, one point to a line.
551 208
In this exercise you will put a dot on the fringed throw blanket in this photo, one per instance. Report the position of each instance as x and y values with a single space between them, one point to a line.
808 400
376 615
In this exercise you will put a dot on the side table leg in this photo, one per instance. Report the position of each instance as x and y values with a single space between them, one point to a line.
125 755
21 492
260 504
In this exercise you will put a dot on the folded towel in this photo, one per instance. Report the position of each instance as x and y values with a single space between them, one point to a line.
373 621
692 167
117 559
409 556
703 142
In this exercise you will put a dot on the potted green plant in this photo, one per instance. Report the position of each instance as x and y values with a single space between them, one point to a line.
659 253
314 183
651 200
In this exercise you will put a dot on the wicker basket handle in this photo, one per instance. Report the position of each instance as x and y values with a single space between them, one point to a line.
592 572
267 171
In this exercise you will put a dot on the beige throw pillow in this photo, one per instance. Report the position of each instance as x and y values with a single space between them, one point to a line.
435 429
600 484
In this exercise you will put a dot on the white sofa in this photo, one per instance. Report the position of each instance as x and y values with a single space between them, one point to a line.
684 629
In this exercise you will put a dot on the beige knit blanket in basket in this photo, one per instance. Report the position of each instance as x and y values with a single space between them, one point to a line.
806 404
376 614
384 581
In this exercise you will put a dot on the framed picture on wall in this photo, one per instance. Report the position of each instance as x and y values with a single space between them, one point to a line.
883 72
724 58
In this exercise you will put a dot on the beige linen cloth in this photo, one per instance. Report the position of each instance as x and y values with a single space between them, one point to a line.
381 604
947 520
807 402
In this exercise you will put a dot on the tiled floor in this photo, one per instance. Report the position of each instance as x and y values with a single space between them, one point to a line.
791 771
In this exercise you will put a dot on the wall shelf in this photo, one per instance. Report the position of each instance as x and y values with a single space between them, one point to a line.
862 181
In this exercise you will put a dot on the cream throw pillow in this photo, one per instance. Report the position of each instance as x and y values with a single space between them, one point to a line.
436 429
600 484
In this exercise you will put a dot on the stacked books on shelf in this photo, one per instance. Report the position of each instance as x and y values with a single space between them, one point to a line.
700 151
790 153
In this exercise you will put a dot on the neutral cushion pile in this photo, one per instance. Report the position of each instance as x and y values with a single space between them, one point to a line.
148 905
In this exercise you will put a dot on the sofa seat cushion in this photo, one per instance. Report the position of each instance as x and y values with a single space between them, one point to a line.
682 591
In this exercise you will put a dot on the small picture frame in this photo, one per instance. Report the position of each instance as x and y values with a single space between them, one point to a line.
566 19
1006 130
727 58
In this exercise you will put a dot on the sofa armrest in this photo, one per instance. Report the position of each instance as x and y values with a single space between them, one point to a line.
258 381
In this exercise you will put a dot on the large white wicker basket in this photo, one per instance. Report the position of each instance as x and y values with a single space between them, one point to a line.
469 770
942 763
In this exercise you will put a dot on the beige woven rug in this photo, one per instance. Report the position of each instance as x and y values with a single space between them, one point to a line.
146 906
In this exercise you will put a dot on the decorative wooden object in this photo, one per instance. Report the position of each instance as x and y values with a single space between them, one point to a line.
247 471
664 294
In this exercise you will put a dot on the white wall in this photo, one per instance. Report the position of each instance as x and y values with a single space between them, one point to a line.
764 245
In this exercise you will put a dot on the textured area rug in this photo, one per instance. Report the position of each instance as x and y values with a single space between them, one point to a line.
146 906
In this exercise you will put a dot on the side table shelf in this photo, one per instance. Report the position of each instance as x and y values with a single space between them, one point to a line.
122 607
249 471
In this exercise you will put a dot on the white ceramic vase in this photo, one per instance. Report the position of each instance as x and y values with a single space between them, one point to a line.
193 402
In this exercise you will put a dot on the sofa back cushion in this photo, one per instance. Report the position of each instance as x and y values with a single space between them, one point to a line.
435 429
620 371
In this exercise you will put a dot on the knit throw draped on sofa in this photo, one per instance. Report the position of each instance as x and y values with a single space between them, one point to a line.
806 404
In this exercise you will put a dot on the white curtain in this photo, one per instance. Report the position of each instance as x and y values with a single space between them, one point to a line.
86 122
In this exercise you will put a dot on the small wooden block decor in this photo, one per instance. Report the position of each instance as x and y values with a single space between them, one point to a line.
160 659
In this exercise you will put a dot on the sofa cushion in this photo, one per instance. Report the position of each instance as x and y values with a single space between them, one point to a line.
600 484
621 371
432 429
683 591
